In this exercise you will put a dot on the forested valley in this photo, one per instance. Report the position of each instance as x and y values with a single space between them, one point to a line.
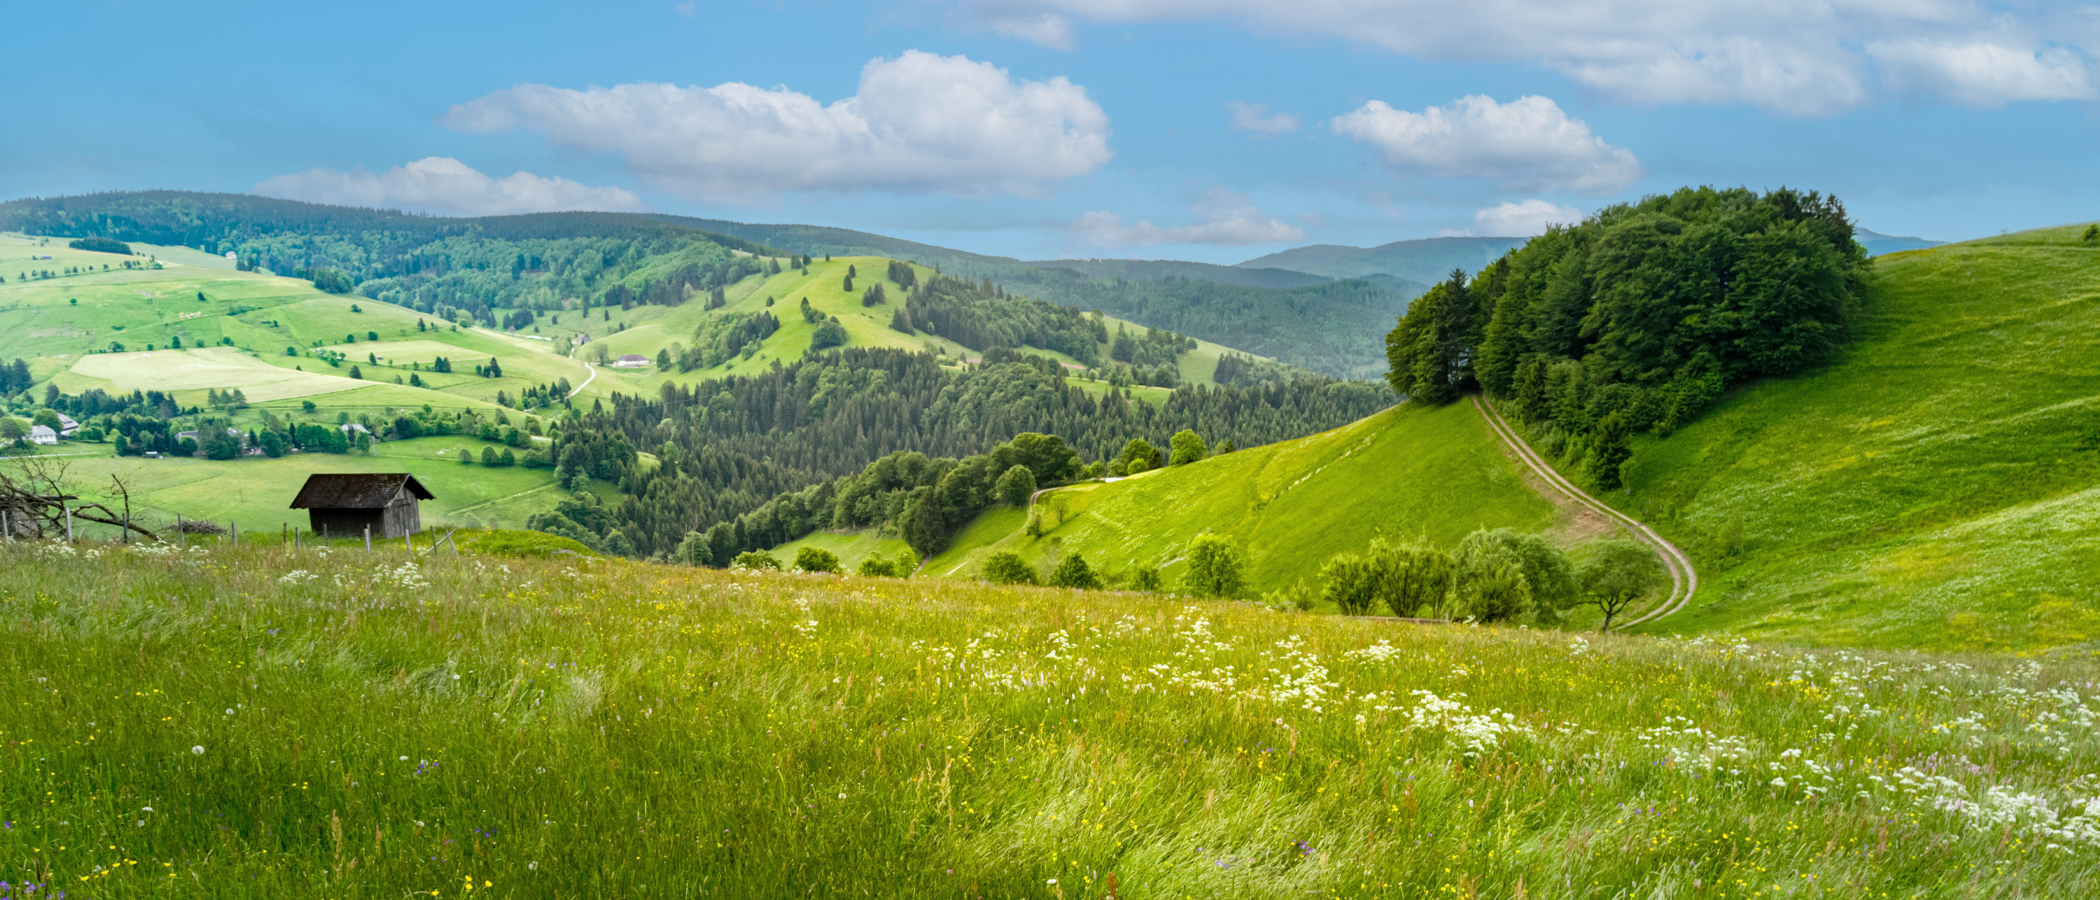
726 447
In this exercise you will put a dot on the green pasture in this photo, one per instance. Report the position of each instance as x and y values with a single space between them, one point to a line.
67 327
1938 487
191 374
256 491
523 366
1157 396
1405 473
851 547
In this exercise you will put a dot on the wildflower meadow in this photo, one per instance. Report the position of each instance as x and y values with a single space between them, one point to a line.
264 722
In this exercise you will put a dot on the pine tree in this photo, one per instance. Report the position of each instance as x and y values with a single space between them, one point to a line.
1610 449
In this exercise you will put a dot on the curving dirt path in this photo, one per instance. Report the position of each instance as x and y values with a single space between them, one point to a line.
587 381
1684 580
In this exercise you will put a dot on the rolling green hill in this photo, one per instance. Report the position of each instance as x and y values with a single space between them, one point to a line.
1303 317
553 261
1937 487
1403 473
71 328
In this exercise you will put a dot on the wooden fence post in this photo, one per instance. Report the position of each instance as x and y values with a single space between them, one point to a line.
295 539
182 538
69 522
236 526
368 538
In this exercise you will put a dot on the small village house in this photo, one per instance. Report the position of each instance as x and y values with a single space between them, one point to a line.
42 434
343 504
630 361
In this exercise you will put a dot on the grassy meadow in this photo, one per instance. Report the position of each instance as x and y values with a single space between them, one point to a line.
264 723
257 492
1407 472
1938 487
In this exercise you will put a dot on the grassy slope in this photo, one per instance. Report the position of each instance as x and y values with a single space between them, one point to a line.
1402 473
645 330
851 547
41 320
1937 488
220 726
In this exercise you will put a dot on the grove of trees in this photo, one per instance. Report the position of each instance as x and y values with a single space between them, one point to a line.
1639 317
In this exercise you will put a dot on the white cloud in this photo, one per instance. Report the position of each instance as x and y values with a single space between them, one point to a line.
1798 57
1982 73
1255 117
1526 144
919 122
1047 30
443 185
1527 218
1222 217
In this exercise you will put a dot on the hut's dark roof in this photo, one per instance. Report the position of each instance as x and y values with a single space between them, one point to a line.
356 491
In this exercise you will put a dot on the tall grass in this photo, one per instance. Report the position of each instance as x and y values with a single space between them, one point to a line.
264 723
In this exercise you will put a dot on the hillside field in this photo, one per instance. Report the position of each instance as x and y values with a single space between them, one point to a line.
259 723
645 330
1939 487
1405 473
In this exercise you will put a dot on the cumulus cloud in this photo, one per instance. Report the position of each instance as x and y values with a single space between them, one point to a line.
1526 218
1255 117
1526 144
1222 217
1811 59
443 185
919 122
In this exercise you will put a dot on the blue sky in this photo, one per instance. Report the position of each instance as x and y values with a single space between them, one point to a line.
1214 130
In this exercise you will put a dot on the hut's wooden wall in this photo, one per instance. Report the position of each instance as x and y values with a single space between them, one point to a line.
402 516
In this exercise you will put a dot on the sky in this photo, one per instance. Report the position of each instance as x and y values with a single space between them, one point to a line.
1210 130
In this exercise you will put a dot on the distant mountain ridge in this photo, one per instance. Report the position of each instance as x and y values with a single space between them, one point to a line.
1426 260
1878 244
819 240
1156 269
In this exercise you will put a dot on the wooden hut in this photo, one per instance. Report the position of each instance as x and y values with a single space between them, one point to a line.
344 505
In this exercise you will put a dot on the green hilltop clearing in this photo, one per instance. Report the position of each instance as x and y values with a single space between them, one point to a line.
264 722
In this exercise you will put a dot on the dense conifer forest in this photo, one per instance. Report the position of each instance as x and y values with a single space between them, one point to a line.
726 447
